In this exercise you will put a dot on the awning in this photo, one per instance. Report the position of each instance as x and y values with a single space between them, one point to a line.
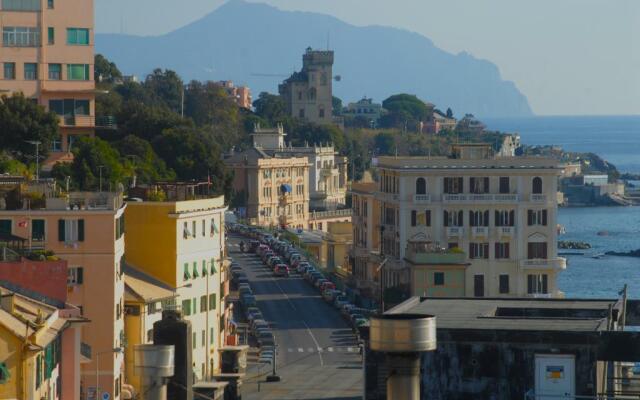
285 188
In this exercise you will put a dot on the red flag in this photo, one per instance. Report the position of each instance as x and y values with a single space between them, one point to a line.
23 224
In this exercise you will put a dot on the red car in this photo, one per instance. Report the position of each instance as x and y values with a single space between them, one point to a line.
281 270
327 285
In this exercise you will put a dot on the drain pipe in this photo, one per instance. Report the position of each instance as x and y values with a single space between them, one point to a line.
403 337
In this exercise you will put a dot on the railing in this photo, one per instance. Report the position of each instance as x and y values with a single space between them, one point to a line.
85 121
421 198
541 263
538 198
479 231
480 197
505 230
508 198
455 231
85 350
454 197
106 122
314 215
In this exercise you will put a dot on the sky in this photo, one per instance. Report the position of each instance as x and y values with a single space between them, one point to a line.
569 57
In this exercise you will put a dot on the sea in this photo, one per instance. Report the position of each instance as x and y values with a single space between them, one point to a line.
617 140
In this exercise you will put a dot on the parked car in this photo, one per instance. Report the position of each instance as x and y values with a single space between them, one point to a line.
302 267
319 281
345 310
281 270
265 338
273 261
340 301
327 285
330 294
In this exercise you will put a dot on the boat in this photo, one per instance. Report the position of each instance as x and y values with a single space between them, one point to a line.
598 256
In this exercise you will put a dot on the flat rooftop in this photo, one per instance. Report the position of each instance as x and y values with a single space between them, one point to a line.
496 162
576 315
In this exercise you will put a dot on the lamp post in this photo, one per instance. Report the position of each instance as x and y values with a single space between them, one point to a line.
100 169
36 143
111 351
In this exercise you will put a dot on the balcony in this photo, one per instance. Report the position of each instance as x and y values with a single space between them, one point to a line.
505 231
506 198
538 198
435 257
455 231
77 121
480 231
421 199
454 198
480 198
557 263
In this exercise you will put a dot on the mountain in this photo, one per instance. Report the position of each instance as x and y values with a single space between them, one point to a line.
243 42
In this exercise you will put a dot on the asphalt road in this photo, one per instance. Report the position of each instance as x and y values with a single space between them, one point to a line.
318 354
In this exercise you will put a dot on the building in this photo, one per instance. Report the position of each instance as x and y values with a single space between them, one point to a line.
364 109
181 243
241 95
438 123
86 229
308 94
518 349
144 299
500 211
366 238
47 54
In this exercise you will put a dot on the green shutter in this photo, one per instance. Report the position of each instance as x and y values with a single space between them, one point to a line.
4 373
81 230
213 266
80 275
61 230
204 267
186 274
195 269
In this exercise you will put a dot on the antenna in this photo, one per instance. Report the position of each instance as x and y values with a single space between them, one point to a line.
328 40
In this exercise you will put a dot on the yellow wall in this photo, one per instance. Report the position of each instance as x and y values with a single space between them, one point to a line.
133 331
11 355
151 239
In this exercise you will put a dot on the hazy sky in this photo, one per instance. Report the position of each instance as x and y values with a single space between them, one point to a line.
569 57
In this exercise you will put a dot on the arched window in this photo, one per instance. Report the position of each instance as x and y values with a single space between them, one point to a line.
421 186
537 185
312 93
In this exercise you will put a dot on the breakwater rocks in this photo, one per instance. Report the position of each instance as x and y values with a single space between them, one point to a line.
632 253
568 244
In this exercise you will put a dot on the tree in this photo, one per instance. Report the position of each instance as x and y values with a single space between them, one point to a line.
449 113
404 111
336 104
22 121
93 156
147 122
167 87
384 143
146 164
105 70
317 134
270 107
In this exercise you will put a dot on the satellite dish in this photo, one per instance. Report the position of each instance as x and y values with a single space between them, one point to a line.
337 78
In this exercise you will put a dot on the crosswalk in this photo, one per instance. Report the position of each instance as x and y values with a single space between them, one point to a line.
341 349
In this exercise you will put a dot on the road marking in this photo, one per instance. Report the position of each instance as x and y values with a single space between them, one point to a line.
349 349
310 349
290 350
320 350
330 349
300 349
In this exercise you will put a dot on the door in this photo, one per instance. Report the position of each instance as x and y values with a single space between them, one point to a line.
555 376
478 285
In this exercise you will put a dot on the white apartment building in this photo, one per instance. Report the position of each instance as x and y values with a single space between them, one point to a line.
501 211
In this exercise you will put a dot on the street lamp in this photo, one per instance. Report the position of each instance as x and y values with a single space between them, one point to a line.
37 143
100 169
116 350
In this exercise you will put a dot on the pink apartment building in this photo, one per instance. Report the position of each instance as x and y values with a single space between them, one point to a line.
241 95
87 231
47 53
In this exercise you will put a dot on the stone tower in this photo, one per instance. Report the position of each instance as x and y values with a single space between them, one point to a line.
308 94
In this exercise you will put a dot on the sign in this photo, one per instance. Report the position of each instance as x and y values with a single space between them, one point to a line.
555 372
106 396
91 393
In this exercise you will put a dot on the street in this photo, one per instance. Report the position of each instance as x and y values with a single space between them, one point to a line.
318 354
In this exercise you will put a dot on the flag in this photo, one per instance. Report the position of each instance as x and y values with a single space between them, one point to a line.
23 224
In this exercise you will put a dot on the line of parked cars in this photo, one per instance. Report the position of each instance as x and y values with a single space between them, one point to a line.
284 259
258 326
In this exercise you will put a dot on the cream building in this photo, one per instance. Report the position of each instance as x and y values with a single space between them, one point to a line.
500 211
182 244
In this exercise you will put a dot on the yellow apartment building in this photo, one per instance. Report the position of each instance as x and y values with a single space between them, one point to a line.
182 244
87 230
46 53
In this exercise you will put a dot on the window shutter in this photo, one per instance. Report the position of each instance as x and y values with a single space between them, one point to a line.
497 251
486 218
473 185
446 218
506 250
413 217
61 230
497 219
460 217
428 217
80 275
471 220
512 218
545 289
529 217
544 217
81 230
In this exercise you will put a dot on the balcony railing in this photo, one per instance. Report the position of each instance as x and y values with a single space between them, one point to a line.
480 231
455 231
421 198
506 197
480 198
538 198
81 121
557 263
505 231
330 214
106 122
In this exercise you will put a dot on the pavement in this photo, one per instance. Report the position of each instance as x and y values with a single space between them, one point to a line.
318 355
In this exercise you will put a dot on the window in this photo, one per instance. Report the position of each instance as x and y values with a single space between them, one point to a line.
49 4
194 233
536 185
537 250
20 36
152 307
5 226
119 227
505 218
438 278
4 373
185 231
194 338
203 303
211 336
78 72
212 301
321 113
537 217
453 185
150 336
502 250
504 283
504 185
20 5
75 276
195 270
203 227
213 266
30 71
37 229
479 218
537 284
479 250
478 285
69 107
301 113
71 230
421 186
186 307
453 218
55 72
77 36
203 339
51 35
9 70
479 185
186 275
204 268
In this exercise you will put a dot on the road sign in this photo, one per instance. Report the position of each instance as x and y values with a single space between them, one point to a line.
106 396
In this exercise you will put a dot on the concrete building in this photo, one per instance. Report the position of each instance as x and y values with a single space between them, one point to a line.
47 54
438 123
144 299
366 237
87 230
241 95
519 349
365 109
308 94
500 211
182 244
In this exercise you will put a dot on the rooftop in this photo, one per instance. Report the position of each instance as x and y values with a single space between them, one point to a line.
140 286
513 314
495 162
